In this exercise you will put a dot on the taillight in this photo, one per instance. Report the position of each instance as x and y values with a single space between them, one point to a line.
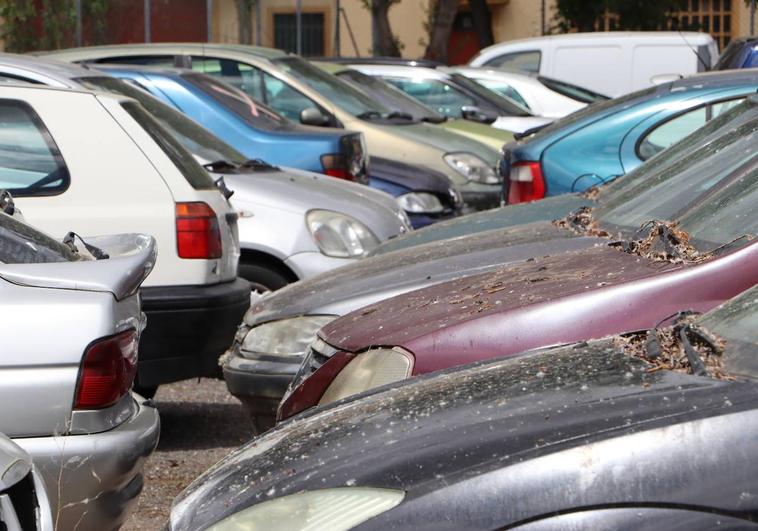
526 182
107 372
336 166
197 231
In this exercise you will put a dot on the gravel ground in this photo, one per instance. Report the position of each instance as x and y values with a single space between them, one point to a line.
200 424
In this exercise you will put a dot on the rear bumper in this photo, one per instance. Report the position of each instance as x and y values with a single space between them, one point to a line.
481 196
260 383
98 476
188 328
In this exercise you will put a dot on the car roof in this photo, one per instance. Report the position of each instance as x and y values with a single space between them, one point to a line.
168 71
399 61
717 78
610 35
493 73
47 66
405 71
177 47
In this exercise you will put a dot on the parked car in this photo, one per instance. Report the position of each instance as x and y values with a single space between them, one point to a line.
561 205
302 92
25 504
543 96
587 436
268 197
643 276
70 407
394 98
605 140
456 96
281 326
621 62
741 53
99 163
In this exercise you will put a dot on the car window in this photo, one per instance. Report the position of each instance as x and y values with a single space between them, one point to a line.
505 89
285 99
196 139
667 133
243 76
30 162
527 61
23 244
196 176
438 95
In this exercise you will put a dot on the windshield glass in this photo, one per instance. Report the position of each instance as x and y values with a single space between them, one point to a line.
335 90
389 96
571 91
22 244
507 105
251 111
737 322
681 183
205 146
615 105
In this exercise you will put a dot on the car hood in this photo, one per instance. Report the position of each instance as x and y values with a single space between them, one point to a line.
495 138
582 423
379 277
498 218
413 177
299 191
131 259
445 140
411 316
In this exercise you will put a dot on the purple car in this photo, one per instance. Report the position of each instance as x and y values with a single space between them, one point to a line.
629 281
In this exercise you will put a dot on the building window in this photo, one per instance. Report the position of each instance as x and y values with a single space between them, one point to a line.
285 33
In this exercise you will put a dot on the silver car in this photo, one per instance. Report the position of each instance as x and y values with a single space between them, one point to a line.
283 212
24 505
70 329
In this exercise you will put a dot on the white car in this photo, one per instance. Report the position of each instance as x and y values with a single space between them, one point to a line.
456 96
545 97
609 62
98 163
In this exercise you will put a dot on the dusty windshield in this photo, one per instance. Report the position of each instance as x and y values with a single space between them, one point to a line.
648 174
21 244
340 93
201 143
684 182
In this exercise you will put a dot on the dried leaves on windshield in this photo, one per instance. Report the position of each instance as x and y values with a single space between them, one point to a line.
664 242
580 222
683 347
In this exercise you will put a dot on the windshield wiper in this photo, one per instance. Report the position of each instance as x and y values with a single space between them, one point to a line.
675 241
369 115
221 165
258 165
531 131
400 114
225 191
97 252
434 119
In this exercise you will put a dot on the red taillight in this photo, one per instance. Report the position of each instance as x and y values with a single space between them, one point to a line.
526 182
337 166
197 231
108 369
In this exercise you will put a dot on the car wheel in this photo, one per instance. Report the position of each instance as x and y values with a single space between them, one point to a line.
146 391
262 278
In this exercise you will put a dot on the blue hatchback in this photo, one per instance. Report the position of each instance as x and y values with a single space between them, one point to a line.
252 128
608 139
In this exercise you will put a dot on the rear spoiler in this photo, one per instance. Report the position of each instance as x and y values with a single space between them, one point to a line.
131 259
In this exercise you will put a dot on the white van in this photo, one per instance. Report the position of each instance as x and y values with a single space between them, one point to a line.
611 62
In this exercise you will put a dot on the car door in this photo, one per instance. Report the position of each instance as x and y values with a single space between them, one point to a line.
663 129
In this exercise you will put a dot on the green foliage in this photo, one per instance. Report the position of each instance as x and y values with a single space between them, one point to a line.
58 23
642 15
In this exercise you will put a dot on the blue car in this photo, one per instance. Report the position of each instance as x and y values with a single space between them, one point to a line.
741 53
608 139
252 128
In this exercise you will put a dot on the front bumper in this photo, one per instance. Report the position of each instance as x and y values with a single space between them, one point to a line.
419 221
260 383
311 263
481 196
92 480
188 328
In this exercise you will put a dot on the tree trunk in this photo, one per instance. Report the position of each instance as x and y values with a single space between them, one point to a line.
482 19
387 46
245 20
442 18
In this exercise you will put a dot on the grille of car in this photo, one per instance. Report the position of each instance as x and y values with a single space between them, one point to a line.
18 505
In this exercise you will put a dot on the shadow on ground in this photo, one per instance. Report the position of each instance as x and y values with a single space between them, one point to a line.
202 425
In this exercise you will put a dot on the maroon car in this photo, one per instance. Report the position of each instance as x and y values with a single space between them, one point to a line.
629 284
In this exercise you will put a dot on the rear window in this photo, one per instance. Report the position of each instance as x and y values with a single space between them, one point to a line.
196 176
22 244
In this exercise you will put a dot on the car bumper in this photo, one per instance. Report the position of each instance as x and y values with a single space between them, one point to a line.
92 480
308 264
422 220
481 196
259 383
188 328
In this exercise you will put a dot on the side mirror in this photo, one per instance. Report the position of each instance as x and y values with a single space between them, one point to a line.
313 116
470 112
660 79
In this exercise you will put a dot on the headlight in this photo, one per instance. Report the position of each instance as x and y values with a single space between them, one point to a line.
420 202
288 337
339 235
336 509
472 168
368 370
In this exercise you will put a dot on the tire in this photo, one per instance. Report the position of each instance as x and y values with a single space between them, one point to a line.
146 391
262 278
